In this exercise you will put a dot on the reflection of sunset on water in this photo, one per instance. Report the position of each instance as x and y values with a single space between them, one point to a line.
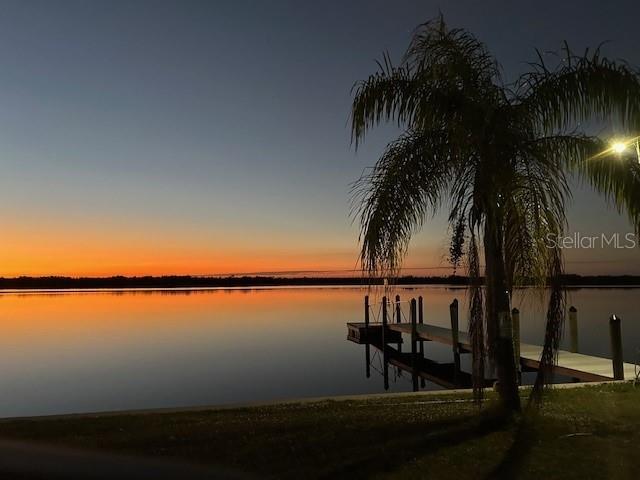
110 350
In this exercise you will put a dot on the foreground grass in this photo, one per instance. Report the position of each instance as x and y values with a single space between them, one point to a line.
590 432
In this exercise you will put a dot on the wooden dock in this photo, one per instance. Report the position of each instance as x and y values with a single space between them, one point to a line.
391 329
585 368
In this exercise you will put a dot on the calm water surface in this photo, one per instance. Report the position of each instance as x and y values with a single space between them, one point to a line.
94 351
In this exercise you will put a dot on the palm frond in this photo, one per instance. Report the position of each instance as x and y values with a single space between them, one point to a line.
615 176
452 54
386 95
394 198
618 179
535 210
554 327
579 89
445 78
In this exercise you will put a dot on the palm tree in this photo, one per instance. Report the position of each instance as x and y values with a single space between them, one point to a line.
498 156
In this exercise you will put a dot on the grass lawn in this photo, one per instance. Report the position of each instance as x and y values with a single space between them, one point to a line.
590 432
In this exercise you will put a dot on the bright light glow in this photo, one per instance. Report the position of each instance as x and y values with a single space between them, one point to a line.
618 147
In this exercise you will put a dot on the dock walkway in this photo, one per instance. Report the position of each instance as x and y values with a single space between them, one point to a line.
585 368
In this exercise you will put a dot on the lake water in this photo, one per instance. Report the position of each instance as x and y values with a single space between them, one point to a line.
63 352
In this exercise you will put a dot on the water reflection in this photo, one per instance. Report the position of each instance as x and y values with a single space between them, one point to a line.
75 352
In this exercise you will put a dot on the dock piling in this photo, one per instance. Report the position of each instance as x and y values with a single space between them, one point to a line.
414 327
414 341
366 311
367 348
398 315
615 332
385 360
420 341
384 311
455 334
573 329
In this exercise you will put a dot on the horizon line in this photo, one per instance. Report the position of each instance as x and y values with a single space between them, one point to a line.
355 271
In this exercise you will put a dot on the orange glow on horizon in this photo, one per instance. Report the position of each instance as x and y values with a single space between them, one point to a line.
95 253
64 250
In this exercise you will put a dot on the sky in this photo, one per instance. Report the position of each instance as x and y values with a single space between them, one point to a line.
153 137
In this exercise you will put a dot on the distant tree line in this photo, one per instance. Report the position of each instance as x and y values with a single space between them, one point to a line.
186 281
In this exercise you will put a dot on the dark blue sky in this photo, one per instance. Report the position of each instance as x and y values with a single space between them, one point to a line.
212 136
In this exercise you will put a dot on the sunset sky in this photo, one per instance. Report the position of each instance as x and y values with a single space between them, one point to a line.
212 137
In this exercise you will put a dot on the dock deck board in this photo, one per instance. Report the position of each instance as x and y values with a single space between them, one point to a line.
433 333
587 368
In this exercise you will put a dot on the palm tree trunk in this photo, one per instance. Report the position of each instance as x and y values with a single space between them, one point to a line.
499 325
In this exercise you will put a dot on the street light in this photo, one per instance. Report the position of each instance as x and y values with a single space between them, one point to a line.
620 146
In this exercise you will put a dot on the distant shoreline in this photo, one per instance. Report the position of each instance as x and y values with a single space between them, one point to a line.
186 281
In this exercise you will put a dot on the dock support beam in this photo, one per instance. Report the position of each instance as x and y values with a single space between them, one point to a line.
573 329
515 318
455 337
615 331
414 340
